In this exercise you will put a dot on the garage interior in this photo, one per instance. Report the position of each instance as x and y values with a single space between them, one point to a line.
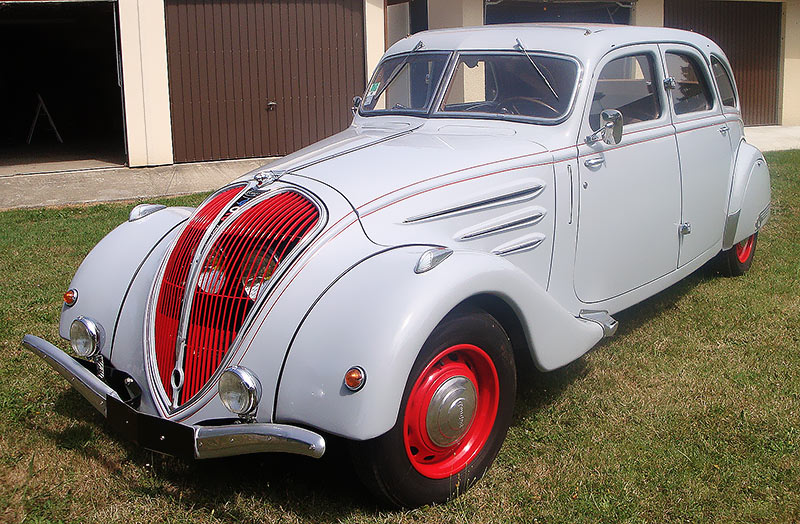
60 94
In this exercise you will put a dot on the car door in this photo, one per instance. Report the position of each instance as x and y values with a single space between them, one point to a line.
629 197
704 149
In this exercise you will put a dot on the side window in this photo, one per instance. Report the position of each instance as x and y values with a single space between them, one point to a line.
724 82
691 92
627 85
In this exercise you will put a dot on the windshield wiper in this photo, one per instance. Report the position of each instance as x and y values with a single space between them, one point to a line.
520 47
396 72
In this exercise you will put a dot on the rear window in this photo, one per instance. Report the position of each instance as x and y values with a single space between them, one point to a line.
724 82
691 93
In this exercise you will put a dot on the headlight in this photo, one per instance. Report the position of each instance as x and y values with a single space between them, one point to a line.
240 390
257 271
85 336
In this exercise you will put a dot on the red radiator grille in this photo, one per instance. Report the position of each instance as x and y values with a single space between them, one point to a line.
174 282
232 276
240 262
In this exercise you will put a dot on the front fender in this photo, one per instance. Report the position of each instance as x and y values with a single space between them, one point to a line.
103 278
379 314
748 207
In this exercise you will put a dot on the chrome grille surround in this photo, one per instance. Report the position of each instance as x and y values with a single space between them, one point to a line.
250 196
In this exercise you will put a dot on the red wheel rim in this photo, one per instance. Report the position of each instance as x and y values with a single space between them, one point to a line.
440 436
744 249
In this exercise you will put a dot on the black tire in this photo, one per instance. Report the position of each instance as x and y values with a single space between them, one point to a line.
737 260
385 463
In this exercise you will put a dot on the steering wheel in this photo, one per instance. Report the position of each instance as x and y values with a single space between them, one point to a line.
511 104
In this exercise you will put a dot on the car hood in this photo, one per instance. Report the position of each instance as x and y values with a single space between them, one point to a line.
374 166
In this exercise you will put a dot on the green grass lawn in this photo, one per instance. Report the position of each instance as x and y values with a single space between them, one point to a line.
690 413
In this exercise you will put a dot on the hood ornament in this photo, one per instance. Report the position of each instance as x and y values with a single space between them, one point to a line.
268 176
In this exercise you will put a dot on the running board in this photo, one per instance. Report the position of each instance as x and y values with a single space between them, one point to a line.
605 320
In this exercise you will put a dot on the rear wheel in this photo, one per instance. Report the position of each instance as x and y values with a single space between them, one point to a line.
737 260
453 418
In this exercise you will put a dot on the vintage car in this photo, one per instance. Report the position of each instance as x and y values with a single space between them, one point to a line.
500 194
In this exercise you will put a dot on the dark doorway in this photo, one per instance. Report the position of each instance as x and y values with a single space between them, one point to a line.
511 12
64 56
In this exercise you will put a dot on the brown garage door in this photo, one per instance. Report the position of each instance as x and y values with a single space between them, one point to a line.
750 34
261 78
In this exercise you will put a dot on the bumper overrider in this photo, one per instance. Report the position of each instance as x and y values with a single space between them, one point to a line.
174 438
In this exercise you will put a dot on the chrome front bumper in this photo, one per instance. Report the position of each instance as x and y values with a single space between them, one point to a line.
174 438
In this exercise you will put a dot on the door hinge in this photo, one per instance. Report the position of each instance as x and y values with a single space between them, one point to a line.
685 228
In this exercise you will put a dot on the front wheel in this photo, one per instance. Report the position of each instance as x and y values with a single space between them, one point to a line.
453 418
738 259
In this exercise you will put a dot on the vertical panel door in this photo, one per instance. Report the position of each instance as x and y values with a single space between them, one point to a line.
261 78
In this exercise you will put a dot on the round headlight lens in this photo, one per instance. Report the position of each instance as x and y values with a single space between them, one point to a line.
85 337
240 390
257 270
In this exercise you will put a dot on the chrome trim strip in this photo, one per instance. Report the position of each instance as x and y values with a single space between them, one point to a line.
522 246
498 228
150 361
606 321
239 439
191 284
763 217
731 223
527 192
80 378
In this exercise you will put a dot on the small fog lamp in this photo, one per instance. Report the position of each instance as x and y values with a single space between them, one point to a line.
240 391
355 378
85 337
70 297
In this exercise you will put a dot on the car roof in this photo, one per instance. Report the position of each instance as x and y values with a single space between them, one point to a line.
584 41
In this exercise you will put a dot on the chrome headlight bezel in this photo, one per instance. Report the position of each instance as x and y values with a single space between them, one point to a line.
86 337
239 391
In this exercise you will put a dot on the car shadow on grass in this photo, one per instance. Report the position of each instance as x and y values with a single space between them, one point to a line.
537 389
319 490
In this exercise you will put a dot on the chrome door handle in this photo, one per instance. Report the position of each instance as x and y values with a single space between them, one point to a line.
594 162
724 129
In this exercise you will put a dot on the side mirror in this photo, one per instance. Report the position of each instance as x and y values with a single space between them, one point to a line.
610 130
356 104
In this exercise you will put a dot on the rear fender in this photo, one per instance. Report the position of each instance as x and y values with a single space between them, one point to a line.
379 314
748 208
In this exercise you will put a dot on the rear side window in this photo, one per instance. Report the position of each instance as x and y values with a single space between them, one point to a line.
627 85
691 93
724 83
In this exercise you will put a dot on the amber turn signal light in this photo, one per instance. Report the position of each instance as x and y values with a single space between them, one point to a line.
70 297
355 378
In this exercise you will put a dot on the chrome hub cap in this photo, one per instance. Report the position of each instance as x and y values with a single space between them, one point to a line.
451 411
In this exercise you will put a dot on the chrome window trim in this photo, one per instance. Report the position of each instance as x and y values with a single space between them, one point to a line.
705 69
150 360
447 53
724 64
450 72
663 98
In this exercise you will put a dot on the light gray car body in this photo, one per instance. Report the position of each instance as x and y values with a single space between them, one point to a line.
352 297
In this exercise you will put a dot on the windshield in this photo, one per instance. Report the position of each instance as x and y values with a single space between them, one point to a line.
529 85
405 83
